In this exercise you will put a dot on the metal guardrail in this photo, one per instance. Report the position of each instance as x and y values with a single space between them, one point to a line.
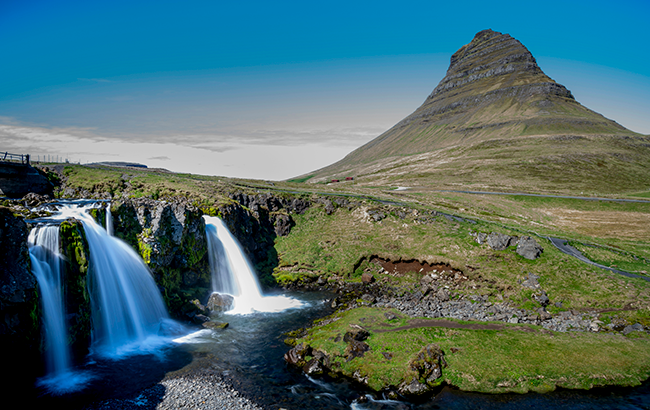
20 158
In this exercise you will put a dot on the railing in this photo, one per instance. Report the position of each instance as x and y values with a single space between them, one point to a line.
7 157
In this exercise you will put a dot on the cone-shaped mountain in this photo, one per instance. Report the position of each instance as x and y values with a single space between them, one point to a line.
495 103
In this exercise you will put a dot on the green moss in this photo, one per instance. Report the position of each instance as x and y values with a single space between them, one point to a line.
74 247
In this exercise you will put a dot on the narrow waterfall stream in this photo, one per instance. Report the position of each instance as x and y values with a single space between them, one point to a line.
46 267
233 274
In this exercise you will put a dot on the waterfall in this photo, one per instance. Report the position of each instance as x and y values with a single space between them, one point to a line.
233 274
109 220
127 308
46 267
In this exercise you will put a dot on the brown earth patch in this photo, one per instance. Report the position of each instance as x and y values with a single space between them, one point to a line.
401 267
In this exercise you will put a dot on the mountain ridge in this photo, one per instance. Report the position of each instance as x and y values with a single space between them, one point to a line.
494 90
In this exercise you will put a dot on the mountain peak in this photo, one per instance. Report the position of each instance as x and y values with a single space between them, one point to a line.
494 102
492 54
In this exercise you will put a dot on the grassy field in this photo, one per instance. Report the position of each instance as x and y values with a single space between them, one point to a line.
336 245
509 358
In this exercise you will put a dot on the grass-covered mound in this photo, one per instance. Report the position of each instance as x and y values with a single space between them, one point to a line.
479 356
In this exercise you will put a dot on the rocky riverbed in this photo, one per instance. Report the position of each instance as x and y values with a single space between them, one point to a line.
204 389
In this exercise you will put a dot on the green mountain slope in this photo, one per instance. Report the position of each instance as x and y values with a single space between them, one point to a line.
496 121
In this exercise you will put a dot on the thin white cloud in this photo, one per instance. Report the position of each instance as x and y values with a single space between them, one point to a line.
249 154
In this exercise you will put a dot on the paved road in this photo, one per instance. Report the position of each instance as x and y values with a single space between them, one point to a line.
561 244
584 198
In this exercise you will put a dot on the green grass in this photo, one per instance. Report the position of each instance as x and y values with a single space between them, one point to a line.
492 361
333 244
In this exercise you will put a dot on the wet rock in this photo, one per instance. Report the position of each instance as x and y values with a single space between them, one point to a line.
413 388
529 248
220 302
200 319
296 356
314 367
215 325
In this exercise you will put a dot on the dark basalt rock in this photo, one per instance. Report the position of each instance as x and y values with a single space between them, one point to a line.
19 326
296 356
357 333
355 348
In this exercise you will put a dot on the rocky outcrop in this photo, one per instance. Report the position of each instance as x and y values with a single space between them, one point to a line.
76 257
427 366
19 305
170 237
17 180
527 247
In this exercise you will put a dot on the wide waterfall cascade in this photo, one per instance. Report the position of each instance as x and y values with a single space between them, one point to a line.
233 274
127 308
46 267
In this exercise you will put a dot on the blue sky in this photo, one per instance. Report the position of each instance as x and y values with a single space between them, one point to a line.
272 90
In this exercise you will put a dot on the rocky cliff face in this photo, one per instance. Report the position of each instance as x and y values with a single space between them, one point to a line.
19 306
170 237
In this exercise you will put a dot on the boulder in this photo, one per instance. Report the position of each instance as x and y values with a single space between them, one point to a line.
638 327
499 241
296 356
367 278
529 248
220 302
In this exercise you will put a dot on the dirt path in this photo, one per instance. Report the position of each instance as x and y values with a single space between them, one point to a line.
419 323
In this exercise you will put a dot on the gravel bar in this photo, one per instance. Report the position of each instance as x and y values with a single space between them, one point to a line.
199 390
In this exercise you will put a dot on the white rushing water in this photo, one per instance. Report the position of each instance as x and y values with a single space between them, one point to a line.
109 220
233 274
46 267
127 308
